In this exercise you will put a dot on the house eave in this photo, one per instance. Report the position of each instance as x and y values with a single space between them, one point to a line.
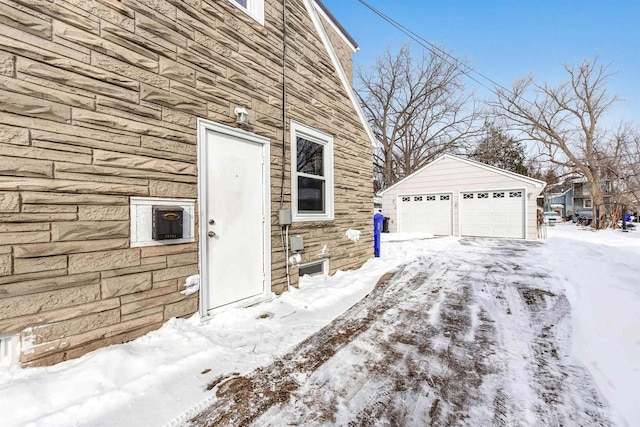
312 7
326 14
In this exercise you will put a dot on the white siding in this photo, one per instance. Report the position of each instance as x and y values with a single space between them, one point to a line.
449 174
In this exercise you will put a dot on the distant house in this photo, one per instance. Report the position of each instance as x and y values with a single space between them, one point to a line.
145 142
581 191
453 196
573 196
557 198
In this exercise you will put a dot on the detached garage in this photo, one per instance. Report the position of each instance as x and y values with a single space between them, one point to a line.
452 196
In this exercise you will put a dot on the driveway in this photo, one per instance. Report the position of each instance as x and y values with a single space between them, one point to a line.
472 335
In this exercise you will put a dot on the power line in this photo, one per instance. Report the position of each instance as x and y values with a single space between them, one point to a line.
444 55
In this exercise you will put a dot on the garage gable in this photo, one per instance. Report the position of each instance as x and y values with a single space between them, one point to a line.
472 169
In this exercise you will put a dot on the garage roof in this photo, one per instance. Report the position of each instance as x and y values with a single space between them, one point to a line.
532 181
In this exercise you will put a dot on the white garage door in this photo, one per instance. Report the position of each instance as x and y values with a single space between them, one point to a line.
427 213
492 213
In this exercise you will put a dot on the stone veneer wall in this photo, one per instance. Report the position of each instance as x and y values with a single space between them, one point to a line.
98 102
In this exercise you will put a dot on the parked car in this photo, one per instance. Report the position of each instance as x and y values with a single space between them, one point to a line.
583 217
551 218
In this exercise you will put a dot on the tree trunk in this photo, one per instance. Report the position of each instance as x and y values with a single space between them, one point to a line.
597 200
389 176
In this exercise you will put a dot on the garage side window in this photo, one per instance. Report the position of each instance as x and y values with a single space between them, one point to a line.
312 174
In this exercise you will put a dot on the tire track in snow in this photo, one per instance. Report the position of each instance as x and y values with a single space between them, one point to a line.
534 318
444 342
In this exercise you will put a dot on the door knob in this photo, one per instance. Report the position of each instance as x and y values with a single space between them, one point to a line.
211 234
211 222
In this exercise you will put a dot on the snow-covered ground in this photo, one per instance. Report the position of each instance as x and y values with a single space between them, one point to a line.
161 379
600 271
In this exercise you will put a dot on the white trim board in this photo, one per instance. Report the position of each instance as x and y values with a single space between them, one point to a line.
312 10
299 129
337 29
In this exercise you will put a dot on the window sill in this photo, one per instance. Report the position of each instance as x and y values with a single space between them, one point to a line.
313 218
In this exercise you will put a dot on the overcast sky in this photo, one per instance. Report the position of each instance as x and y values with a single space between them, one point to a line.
505 40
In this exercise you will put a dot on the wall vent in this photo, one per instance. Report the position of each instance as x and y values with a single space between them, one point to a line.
9 350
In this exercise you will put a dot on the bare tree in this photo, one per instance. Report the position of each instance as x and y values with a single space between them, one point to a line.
631 164
416 108
544 171
565 119
624 165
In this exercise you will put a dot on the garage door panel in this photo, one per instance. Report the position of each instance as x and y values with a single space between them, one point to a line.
482 231
492 213
427 213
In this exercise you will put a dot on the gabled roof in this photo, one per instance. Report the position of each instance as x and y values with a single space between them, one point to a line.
557 195
559 187
337 26
532 181
312 7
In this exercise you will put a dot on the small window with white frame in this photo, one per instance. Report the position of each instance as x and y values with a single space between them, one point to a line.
314 268
312 174
253 8
587 203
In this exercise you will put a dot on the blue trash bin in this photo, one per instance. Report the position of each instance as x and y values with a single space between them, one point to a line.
378 220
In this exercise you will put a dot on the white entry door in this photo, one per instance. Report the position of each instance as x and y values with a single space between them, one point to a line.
234 197
498 213
427 213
